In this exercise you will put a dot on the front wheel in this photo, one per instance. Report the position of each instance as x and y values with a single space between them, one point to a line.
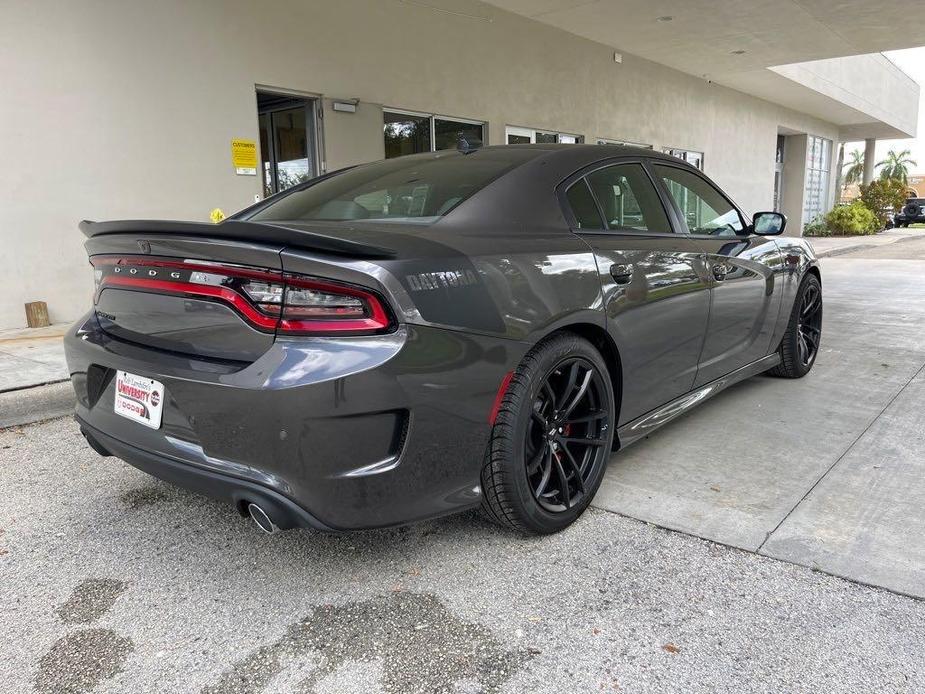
551 439
800 344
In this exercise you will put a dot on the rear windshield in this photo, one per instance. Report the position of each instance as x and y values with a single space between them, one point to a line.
418 188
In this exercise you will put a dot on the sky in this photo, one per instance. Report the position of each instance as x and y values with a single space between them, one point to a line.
912 62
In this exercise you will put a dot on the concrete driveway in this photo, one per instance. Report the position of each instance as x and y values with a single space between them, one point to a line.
827 471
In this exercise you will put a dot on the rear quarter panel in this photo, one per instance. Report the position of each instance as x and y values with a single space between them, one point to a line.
513 285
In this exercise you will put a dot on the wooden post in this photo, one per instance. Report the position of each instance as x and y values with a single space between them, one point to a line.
37 314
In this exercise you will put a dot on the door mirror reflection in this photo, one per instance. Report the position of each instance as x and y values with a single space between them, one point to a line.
768 223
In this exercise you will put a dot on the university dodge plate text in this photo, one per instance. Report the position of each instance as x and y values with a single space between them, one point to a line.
139 398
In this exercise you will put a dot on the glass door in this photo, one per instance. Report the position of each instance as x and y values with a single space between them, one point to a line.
287 141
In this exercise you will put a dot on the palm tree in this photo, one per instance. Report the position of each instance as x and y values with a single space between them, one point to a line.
896 166
855 171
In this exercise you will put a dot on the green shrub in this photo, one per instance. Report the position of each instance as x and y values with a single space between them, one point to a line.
817 227
852 220
883 196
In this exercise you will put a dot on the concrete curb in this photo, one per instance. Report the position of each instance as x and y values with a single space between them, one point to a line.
27 386
846 249
862 246
29 405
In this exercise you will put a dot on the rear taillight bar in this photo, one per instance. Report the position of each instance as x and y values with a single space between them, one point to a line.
270 301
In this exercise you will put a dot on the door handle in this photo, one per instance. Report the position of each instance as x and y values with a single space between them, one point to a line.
622 273
720 270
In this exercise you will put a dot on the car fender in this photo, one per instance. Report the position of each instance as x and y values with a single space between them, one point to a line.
798 259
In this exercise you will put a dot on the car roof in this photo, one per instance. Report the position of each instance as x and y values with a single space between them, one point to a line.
567 158
593 151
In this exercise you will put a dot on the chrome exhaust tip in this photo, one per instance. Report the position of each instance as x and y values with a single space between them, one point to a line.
260 517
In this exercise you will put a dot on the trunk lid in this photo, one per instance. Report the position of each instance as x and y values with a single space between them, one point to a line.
196 288
142 281
207 290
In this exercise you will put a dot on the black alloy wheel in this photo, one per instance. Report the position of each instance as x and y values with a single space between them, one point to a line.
809 324
552 438
564 440
800 345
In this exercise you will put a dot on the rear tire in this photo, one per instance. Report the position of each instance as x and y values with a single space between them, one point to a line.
552 438
800 345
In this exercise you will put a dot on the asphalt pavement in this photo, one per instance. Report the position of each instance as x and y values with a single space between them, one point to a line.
115 582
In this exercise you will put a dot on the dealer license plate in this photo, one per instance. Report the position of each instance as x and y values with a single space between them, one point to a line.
140 399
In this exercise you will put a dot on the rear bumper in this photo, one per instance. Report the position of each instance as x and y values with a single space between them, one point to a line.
334 433
284 512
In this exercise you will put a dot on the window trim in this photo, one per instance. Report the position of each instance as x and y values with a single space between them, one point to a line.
584 172
682 221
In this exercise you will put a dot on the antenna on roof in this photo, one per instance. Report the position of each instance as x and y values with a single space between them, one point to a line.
468 144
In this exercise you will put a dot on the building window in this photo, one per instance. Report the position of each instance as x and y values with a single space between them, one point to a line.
818 156
623 143
449 131
407 132
693 158
515 135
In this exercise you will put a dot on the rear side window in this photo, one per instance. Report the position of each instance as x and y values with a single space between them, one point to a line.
628 198
584 209
405 189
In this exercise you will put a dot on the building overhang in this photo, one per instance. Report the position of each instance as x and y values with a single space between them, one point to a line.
821 58
867 96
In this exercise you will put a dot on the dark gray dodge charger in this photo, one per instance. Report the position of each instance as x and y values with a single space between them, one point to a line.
417 336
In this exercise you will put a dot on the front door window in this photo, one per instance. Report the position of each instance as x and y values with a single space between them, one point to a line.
703 207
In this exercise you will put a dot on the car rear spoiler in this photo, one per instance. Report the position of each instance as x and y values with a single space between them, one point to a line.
308 239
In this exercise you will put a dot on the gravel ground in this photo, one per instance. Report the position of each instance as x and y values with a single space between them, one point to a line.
115 582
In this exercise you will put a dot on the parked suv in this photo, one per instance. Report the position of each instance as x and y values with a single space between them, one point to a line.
913 212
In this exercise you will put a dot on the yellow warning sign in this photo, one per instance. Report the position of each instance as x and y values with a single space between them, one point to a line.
244 157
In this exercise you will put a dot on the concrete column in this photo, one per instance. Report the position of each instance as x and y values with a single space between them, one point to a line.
870 158
839 173
794 183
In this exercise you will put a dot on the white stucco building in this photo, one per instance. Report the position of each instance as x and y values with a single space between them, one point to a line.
128 109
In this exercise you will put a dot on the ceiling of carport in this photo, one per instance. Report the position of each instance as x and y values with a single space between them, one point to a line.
703 36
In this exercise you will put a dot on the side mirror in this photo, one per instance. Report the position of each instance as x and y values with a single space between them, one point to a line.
768 223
